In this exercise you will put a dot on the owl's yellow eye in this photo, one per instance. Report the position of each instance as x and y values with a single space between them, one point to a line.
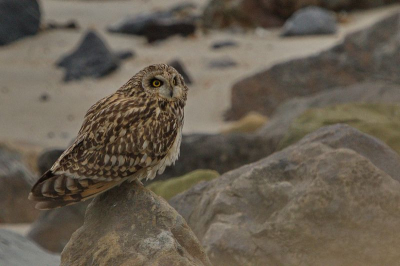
156 83
174 82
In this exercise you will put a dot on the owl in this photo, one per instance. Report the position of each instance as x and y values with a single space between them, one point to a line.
134 133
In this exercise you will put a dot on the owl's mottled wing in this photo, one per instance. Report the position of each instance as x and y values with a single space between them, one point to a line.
120 138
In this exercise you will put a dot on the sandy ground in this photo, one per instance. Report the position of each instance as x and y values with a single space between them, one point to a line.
22 229
27 68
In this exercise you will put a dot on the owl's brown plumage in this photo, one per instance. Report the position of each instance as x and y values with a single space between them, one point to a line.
132 134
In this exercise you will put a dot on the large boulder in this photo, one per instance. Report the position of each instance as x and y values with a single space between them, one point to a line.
18 19
331 199
15 185
130 225
92 58
369 54
378 120
16 250
272 13
369 92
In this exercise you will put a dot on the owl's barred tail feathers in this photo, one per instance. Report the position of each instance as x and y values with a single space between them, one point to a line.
54 191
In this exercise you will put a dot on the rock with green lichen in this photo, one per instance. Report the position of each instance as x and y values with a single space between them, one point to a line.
171 187
379 120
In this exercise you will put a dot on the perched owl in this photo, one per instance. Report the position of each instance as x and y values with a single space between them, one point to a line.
130 135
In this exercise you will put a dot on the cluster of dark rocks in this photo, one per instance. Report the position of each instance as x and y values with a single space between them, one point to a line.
92 57
20 18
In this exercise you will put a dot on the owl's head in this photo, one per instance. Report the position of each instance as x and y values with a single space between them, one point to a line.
160 81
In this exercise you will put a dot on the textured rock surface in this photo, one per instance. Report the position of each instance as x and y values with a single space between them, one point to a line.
171 187
278 125
332 199
18 19
272 13
378 120
16 250
310 21
15 183
91 58
130 225
53 229
370 54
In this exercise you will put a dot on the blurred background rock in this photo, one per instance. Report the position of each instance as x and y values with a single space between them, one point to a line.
266 175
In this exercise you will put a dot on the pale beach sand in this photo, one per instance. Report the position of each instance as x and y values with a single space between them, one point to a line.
27 68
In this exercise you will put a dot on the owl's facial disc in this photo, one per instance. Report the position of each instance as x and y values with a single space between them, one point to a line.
168 88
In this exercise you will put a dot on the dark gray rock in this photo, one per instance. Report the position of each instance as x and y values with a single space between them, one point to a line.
15 184
331 199
134 25
130 225
53 229
124 54
161 29
16 250
44 97
178 65
310 21
368 55
223 44
91 58
222 63
159 25
18 19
